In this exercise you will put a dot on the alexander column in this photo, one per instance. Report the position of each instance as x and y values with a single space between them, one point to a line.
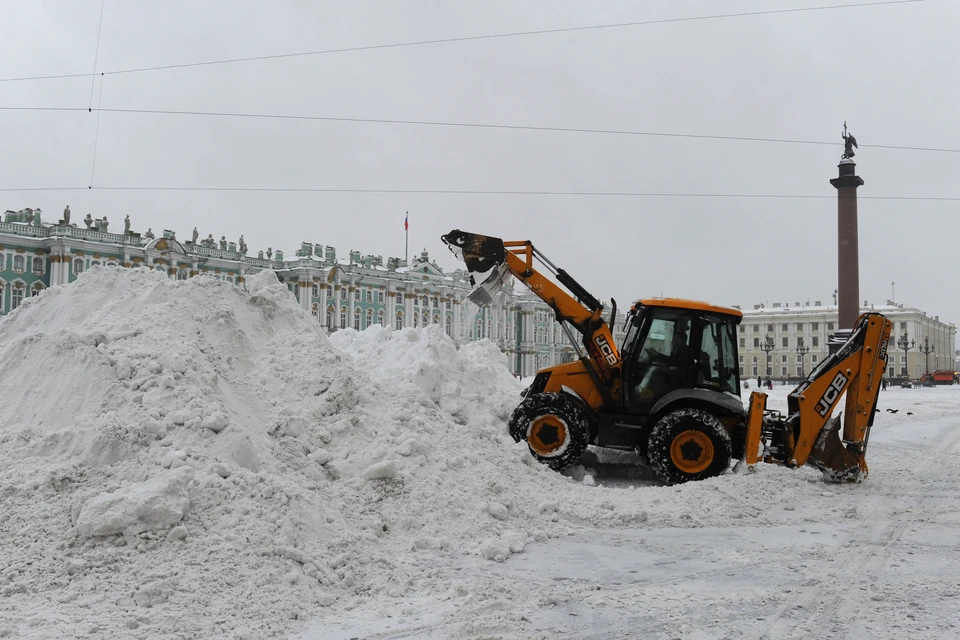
848 263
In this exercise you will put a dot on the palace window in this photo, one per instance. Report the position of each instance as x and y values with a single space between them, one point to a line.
356 295
769 328
16 297
783 371
783 359
343 317
786 342
799 326
38 266
315 310
3 289
786 327
329 291
78 266
815 326
380 317
424 303
416 319
329 316
830 325
19 264
816 341
399 320
380 297
436 302
449 326
447 305
399 297
369 317
343 293
182 274
436 319
369 295
315 291
356 318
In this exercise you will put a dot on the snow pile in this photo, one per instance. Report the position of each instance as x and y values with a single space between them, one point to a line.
471 383
187 459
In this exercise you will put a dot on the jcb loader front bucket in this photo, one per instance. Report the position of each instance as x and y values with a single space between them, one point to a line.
485 258
837 461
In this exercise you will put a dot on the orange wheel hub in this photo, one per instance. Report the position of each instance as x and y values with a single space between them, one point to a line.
691 451
547 434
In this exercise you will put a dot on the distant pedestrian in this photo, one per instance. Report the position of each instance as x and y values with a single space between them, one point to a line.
883 384
770 384
759 382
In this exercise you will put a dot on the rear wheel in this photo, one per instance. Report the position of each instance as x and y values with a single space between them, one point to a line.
689 444
555 427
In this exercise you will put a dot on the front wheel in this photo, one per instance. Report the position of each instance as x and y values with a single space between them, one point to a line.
689 444
555 427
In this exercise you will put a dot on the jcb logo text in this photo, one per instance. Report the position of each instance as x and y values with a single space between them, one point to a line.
606 351
831 394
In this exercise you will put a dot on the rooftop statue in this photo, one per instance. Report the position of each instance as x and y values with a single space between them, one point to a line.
849 143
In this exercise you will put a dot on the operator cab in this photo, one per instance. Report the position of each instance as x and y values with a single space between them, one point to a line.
675 348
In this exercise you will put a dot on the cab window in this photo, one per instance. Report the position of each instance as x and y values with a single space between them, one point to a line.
716 366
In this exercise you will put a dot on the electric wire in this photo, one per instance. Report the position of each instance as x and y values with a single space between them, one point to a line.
96 133
420 43
477 125
627 194
96 53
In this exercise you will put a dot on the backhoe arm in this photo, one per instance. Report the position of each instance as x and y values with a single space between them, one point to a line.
808 435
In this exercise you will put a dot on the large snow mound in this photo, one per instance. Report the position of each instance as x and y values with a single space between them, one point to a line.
189 459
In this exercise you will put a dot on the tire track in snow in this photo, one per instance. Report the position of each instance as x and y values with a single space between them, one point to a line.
831 604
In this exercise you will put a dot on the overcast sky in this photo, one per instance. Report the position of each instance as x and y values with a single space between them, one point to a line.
889 71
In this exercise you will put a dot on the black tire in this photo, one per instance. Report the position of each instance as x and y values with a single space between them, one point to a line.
689 444
557 426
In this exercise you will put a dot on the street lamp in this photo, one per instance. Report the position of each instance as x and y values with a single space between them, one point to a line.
767 347
801 351
906 345
926 350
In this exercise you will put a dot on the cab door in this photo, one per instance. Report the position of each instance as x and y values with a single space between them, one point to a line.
660 360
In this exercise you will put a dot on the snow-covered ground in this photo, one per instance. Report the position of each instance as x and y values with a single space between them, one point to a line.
777 554
188 460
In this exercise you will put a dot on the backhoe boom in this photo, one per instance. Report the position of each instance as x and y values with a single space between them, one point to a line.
808 435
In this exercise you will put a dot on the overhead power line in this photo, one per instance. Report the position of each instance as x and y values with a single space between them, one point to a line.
515 34
474 125
478 192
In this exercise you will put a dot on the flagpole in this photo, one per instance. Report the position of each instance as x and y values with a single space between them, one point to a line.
406 233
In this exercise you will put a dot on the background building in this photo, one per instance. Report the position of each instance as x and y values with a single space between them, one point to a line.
785 341
358 290
355 291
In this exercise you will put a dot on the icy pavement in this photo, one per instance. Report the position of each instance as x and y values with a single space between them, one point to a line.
189 460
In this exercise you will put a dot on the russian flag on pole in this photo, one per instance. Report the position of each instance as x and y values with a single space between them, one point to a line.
406 222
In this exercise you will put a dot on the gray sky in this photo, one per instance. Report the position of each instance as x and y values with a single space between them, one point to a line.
889 71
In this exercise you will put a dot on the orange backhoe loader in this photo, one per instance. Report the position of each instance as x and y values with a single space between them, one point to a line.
672 390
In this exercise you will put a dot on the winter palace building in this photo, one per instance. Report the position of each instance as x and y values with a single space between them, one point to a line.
355 291
782 341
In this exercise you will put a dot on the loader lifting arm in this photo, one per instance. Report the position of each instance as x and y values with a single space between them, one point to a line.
489 259
808 435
